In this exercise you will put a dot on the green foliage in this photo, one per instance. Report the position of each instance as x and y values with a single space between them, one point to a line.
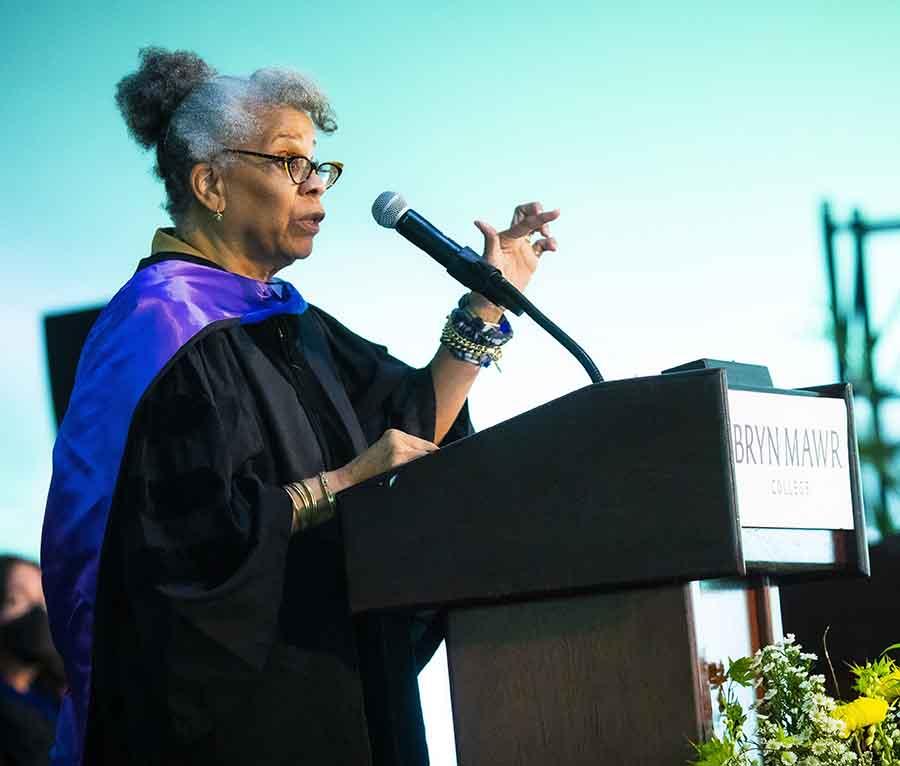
741 671
715 752
879 678
797 724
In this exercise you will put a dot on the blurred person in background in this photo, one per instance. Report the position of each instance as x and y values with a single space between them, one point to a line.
30 668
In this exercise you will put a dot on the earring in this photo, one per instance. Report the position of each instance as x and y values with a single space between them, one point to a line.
218 215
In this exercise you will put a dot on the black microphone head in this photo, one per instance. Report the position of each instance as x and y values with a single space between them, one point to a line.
388 208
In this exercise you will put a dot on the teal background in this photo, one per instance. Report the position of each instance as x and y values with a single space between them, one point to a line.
688 146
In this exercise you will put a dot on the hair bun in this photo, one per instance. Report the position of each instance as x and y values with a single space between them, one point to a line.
149 97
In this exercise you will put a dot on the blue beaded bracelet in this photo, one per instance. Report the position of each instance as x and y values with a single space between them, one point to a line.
469 338
475 329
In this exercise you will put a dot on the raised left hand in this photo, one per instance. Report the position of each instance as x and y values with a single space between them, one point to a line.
512 250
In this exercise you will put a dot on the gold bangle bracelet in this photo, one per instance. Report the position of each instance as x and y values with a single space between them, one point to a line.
311 504
297 506
305 507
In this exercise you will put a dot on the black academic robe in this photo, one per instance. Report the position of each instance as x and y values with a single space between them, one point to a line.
220 637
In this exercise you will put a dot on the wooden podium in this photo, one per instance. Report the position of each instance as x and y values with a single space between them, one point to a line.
593 562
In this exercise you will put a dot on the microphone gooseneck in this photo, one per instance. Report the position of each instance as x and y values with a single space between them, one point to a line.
464 264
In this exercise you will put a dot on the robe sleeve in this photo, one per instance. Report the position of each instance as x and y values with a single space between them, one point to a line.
204 538
385 392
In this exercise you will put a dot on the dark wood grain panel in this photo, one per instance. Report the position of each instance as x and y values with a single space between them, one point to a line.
610 679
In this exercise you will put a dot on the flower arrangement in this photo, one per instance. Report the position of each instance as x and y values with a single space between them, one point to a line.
797 723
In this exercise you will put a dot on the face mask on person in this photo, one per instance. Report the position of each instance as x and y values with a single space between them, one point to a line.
27 637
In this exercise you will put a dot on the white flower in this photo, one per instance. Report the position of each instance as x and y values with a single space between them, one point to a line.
788 758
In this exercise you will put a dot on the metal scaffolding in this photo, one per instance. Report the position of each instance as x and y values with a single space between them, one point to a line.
856 346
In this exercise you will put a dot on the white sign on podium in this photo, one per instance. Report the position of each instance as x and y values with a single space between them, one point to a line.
792 460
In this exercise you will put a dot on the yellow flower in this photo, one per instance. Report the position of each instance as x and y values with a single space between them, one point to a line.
860 713
889 686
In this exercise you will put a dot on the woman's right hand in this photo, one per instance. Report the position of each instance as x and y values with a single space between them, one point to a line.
392 449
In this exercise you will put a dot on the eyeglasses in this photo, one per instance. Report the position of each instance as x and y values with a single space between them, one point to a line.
299 168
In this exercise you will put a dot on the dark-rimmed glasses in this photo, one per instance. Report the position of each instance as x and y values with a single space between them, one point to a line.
298 167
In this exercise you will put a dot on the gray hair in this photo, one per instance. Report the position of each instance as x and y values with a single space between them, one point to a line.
178 104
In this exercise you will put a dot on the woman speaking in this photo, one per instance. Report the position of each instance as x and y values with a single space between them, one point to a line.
191 552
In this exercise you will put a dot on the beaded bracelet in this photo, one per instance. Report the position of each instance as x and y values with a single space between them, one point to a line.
471 339
478 330
327 493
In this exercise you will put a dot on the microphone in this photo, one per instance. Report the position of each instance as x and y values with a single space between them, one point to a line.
464 264
391 211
